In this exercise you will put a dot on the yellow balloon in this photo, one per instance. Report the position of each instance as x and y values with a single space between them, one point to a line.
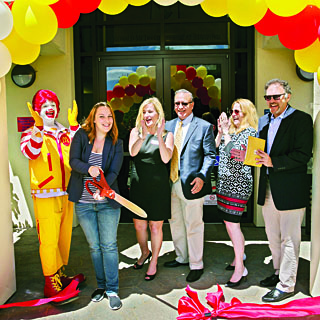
153 85
208 81
308 59
173 70
123 81
22 52
112 7
194 91
191 2
173 83
127 101
202 72
314 3
215 8
137 2
144 80
136 98
116 103
45 2
286 8
5 59
246 12
124 109
133 78
165 2
34 23
213 92
318 75
180 76
186 84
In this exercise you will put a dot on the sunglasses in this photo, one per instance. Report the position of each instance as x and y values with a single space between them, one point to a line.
236 111
177 104
274 96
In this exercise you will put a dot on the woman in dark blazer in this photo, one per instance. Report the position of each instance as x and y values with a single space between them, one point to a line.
95 146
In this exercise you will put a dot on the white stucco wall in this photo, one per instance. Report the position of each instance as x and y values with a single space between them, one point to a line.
54 71
275 61
7 265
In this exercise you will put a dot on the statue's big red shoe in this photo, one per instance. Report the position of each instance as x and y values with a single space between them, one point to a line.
52 285
65 280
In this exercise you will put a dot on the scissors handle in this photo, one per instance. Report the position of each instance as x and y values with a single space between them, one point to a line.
94 183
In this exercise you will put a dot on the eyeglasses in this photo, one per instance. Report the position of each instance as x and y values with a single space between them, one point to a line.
177 103
274 96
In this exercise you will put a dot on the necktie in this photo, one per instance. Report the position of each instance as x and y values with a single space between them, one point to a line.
175 156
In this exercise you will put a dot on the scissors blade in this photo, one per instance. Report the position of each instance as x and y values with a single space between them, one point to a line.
130 205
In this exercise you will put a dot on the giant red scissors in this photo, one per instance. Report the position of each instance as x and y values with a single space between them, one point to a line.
106 191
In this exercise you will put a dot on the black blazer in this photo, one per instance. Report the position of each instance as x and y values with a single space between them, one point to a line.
290 153
80 150
197 156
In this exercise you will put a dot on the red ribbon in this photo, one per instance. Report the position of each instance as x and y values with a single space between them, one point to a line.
69 292
191 308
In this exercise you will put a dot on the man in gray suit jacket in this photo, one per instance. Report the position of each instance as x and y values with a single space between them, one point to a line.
196 158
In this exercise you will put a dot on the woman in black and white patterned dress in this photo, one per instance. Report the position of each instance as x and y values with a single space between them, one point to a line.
235 182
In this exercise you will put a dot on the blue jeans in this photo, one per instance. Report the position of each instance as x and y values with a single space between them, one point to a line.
99 222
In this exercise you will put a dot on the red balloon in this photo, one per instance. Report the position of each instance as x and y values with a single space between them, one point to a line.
301 30
66 15
110 95
118 91
141 91
202 92
197 82
182 67
130 90
191 72
85 6
270 24
9 4
205 100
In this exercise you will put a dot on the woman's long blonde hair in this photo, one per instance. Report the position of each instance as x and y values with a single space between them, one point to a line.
158 107
250 117
90 128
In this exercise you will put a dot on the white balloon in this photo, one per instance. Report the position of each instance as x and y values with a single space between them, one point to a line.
5 59
191 2
165 2
141 71
6 20
151 72
217 83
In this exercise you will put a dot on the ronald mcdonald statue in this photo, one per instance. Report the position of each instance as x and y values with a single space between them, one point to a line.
47 145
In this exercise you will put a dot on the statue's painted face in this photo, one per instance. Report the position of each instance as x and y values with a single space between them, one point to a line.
48 112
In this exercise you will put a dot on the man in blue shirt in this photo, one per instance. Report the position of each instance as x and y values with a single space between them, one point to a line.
283 185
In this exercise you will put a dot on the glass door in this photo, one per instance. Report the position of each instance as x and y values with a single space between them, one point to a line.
126 82
207 79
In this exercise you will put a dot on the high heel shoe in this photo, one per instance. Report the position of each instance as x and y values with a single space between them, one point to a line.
231 268
236 284
149 277
139 266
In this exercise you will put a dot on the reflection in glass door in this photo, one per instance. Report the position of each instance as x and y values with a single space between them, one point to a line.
203 81
127 87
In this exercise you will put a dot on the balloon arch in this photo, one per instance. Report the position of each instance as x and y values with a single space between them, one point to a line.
26 24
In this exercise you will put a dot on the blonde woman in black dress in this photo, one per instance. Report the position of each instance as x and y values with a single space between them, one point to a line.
151 148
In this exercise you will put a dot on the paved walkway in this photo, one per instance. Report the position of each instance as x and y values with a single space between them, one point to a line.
159 298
